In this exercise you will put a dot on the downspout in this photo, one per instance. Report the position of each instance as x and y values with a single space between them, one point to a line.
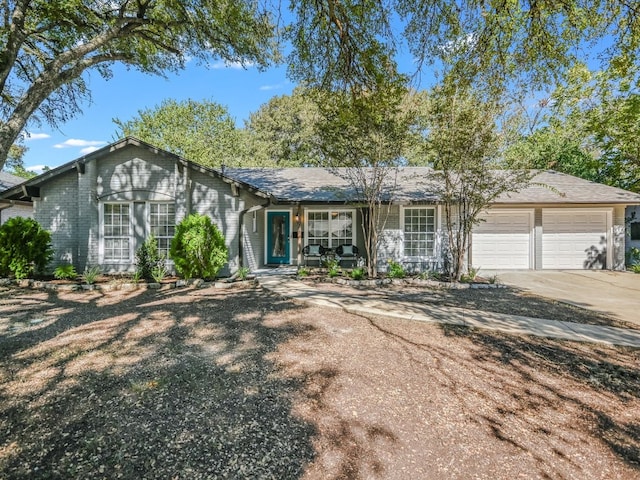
255 208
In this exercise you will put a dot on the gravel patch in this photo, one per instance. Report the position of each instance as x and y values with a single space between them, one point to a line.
209 383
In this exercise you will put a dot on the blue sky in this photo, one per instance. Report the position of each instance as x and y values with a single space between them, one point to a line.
242 91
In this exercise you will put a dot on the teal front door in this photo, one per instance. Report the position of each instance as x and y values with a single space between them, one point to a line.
278 246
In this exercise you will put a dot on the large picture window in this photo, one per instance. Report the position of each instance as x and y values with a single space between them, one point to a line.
330 228
419 232
117 231
162 224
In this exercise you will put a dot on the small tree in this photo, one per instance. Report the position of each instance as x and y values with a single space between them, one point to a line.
25 247
198 248
464 145
148 258
364 136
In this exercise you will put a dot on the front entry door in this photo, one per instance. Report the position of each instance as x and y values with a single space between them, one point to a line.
278 247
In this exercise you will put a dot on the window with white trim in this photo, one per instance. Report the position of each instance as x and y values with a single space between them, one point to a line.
162 225
330 228
419 231
117 231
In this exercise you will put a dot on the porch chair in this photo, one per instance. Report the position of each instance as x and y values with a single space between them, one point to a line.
348 252
313 251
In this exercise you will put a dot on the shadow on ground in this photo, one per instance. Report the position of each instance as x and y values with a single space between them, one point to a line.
171 384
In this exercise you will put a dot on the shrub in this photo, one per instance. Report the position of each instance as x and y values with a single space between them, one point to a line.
333 267
470 276
159 272
303 272
635 268
90 274
243 273
148 258
357 273
65 272
198 248
396 270
633 256
25 247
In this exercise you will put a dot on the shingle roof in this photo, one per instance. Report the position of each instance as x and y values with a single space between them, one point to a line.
416 184
558 188
7 180
330 186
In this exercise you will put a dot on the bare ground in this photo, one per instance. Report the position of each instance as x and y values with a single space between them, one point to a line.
241 384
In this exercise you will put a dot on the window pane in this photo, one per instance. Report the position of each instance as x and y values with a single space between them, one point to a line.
162 224
419 232
117 228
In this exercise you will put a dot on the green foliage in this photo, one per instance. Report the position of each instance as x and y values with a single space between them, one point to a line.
158 272
48 46
464 139
65 272
198 248
635 268
282 133
201 131
136 277
25 247
148 257
91 274
470 276
303 272
357 273
333 268
633 256
396 270
243 273
430 275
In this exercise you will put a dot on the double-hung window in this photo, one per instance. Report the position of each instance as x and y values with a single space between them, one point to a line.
330 228
117 232
419 231
162 224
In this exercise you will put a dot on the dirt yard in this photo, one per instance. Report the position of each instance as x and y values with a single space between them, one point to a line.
195 384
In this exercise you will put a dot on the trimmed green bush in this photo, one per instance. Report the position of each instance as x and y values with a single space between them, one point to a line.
198 248
25 247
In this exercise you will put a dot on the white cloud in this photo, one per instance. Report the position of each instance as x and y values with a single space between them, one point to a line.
232 65
36 136
88 150
36 168
78 143
265 88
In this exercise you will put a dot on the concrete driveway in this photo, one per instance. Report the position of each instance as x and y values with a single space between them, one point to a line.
614 293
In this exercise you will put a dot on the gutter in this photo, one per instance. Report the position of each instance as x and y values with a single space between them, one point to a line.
255 208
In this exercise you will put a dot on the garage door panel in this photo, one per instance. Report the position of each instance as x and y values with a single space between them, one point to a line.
503 240
574 240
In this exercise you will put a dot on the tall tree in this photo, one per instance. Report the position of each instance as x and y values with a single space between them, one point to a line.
46 46
282 132
589 128
465 144
203 132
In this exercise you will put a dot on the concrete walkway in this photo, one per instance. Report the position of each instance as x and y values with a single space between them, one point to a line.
288 287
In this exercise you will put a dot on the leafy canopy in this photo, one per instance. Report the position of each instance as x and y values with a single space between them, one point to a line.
46 46
202 131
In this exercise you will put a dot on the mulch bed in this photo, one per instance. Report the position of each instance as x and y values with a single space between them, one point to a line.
208 383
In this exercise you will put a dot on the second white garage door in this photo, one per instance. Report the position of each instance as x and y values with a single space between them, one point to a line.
503 240
574 239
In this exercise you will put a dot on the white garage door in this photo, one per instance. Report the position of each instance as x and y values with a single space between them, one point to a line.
503 240
574 239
